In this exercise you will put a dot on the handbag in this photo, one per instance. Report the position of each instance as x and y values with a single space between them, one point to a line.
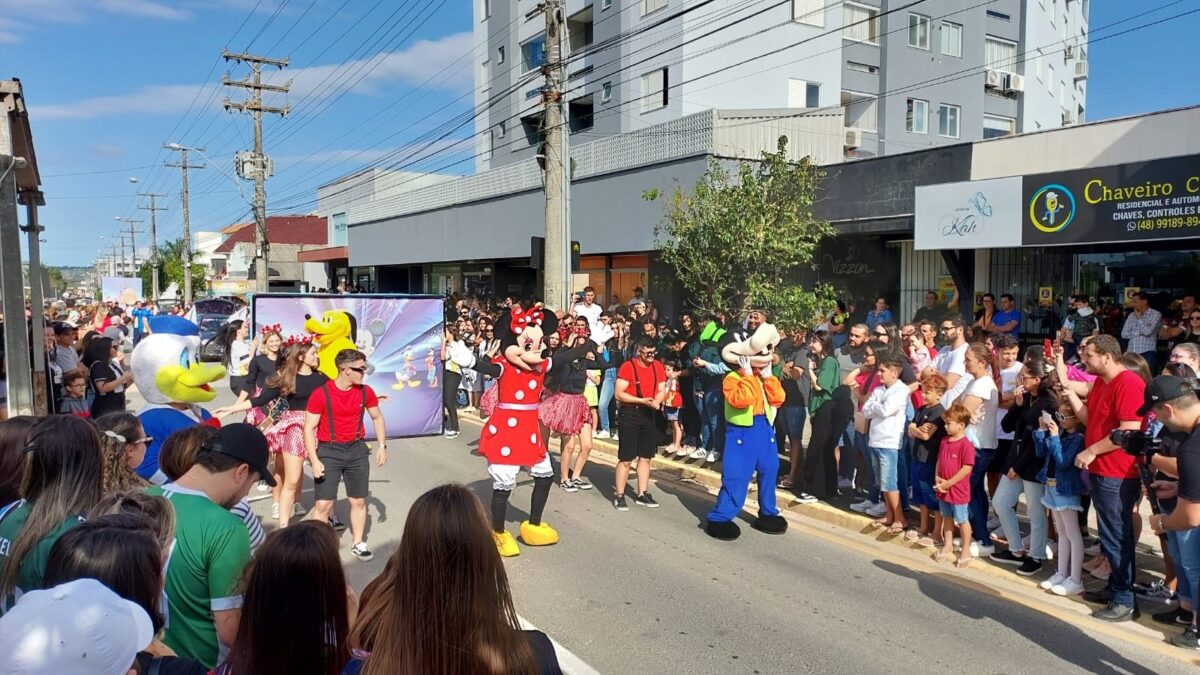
273 411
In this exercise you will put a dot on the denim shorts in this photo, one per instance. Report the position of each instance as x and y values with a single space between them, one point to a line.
672 414
922 478
889 469
792 420
1056 502
959 512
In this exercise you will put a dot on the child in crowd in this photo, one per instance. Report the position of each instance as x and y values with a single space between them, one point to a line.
927 431
956 458
885 408
672 405
1062 496
74 400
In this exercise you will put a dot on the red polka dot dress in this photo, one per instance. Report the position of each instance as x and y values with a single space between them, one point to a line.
512 435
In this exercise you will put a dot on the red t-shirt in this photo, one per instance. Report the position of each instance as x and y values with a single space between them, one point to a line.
1109 404
643 383
952 456
347 412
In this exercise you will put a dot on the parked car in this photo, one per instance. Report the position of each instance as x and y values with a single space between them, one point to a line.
211 317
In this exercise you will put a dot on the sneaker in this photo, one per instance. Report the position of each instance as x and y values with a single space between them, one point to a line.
712 457
698 453
805 498
568 485
1114 613
978 549
684 451
1008 558
361 552
1189 639
1094 549
337 525
861 507
275 511
451 434
878 510
582 483
845 484
620 504
1053 581
298 510
263 487
1155 591
1030 567
602 434
1173 617
1067 588
614 436
647 500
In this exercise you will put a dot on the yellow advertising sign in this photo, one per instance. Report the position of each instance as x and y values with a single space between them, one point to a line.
1045 296
1130 291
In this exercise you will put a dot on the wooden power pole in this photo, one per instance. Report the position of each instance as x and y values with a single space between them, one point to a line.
154 208
187 223
557 271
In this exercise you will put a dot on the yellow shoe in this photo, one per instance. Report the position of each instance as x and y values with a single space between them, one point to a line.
538 535
506 544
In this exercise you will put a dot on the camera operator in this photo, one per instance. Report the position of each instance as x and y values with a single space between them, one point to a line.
1174 401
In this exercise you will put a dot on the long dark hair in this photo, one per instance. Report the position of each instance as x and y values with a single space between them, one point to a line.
99 349
226 337
291 359
445 590
296 580
14 436
120 551
62 480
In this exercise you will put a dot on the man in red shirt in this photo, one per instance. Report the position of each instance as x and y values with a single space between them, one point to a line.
1113 403
641 389
333 438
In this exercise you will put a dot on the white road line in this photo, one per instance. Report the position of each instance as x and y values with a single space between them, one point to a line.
567 660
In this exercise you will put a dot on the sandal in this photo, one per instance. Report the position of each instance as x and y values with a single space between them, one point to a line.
926 542
939 556
785 483
877 524
912 535
963 561
895 529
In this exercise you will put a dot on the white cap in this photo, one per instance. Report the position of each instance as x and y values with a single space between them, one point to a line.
78 628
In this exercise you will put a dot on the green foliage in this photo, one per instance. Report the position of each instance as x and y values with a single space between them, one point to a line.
170 270
58 282
738 240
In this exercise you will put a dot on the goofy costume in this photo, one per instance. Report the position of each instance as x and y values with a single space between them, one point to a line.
172 380
511 440
752 395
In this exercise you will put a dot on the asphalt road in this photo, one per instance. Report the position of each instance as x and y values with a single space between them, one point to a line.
646 591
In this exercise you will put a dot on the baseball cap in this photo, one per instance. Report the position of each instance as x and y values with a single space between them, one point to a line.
1164 388
78 628
61 327
245 442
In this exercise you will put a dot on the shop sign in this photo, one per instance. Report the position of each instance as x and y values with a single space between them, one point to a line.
1045 296
1142 201
970 214
1131 291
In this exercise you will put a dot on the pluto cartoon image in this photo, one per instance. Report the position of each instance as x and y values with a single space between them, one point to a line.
334 331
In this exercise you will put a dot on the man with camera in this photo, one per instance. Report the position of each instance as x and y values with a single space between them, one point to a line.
1173 400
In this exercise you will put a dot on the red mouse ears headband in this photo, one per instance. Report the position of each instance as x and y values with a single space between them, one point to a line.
294 340
520 319
275 328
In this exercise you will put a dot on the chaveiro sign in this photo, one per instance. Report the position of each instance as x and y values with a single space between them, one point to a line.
1143 201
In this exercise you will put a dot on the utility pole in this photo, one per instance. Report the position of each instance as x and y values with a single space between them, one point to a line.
153 209
257 165
132 243
16 338
187 223
32 199
557 272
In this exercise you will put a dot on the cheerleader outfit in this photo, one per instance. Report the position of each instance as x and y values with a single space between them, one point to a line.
260 370
287 434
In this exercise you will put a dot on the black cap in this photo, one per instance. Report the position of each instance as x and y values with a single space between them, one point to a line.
245 442
1164 388
61 327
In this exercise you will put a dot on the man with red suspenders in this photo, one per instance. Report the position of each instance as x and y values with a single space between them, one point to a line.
333 437
641 389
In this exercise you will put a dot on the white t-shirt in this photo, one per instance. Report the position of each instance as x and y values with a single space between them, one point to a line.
1009 378
953 362
239 357
983 432
591 312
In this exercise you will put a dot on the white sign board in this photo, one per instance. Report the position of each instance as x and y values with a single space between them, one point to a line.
968 215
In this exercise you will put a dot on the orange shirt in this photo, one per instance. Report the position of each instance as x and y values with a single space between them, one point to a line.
743 392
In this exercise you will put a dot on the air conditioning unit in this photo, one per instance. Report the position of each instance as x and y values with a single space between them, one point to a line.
1069 52
1081 68
853 138
994 79
1014 83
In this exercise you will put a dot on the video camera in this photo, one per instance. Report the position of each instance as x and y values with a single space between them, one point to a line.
1139 443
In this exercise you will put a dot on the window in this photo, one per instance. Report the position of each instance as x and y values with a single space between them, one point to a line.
803 94
579 29
948 120
654 90
860 23
860 111
606 92
999 54
952 39
918 31
581 114
916 119
995 126
485 74
502 130
862 67
533 53
811 12
486 6
499 55
650 6
605 4
999 15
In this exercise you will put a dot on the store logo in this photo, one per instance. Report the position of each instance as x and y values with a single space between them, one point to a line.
967 220
1052 208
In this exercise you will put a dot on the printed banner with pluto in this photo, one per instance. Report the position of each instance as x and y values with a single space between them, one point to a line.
400 334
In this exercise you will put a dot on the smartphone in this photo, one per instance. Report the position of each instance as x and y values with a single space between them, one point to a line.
1049 347
1046 418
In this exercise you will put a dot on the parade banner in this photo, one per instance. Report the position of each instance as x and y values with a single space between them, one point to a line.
400 334
125 290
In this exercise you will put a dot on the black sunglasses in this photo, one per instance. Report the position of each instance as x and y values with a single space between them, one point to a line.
358 369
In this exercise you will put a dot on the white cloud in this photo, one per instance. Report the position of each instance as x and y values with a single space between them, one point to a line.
440 149
144 8
34 12
107 150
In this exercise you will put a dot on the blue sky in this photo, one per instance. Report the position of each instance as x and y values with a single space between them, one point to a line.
109 81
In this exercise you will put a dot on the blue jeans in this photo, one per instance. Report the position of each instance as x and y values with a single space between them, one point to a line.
848 464
979 496
1113 500
871 461
1184 546
608 389
712 419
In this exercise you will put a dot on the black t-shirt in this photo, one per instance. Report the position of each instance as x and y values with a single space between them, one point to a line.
798 356
168 665
1171 441
927 451
104 371
1189 467
259 371
305 386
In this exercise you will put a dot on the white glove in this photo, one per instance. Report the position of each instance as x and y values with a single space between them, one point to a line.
765 372
601 334
461 355
744 365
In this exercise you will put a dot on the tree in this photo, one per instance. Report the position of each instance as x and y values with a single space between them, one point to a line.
58 282
170 270
739 240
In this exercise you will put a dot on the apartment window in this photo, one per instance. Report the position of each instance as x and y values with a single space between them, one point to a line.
1000 54
654 90
916 119
533 53
485 73
811 12
502 130
860 110
860 23
803 94
996 126
605 4
999 15
952 39
606 92
579 29
918 31
486 7
948 120
862 67
499 55
650 6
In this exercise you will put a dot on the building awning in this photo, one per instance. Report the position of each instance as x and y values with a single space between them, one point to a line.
327 254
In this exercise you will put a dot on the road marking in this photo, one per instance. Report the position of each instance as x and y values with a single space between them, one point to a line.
567 660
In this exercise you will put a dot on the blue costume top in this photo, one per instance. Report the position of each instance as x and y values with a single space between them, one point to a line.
160 421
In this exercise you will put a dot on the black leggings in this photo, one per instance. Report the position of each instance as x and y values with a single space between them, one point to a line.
828 424
450 382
